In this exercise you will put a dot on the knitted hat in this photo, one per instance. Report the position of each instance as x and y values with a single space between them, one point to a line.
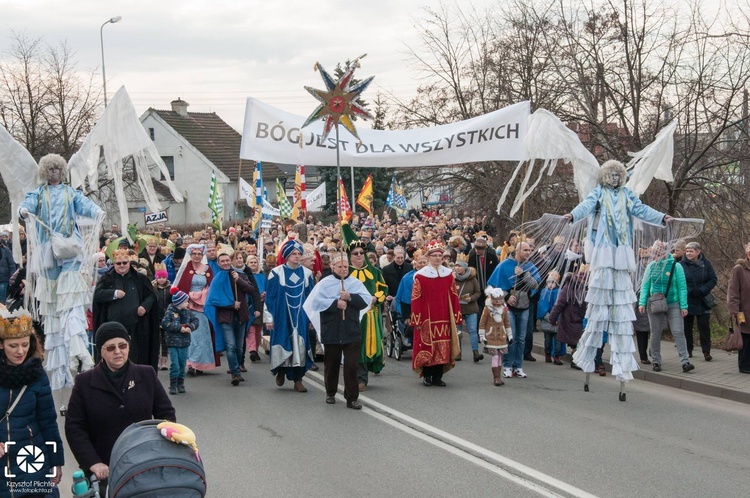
110 330
160 270
178 297
179 253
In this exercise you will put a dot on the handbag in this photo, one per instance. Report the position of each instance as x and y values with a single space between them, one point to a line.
709 301
733 339
657 303
65 247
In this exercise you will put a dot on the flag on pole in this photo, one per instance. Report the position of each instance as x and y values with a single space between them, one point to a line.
364 198
400 198
215 203
344 208
284 207
316 200
389 200
253 199
247 192
299 210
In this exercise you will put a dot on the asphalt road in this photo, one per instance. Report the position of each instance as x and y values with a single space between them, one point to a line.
538 436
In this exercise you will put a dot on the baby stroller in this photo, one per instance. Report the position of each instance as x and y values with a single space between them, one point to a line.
145 464
398 337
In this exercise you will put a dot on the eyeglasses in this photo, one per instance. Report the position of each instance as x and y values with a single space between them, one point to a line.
111 348
121 263
358 253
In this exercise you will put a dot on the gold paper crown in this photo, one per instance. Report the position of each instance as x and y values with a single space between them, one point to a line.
16 325
462 258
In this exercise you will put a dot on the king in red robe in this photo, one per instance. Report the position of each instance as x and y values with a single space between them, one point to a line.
435 313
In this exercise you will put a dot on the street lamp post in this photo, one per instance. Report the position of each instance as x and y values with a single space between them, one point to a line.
101 40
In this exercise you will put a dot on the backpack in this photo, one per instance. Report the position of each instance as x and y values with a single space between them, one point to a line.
144 464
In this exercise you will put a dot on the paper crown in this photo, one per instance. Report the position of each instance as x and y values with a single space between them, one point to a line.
16 325
462 258
433 246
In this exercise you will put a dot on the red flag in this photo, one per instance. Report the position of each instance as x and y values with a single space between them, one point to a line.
345 209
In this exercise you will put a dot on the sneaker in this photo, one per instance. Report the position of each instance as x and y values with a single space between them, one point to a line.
314 367
518 372
686 367
507 373
331 400
235 380
354 405
657 367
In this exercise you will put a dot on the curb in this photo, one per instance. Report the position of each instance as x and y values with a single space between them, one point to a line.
679 382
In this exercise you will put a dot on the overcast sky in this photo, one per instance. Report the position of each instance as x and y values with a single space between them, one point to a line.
216 53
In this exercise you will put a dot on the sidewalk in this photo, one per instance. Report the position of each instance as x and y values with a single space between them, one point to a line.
719 377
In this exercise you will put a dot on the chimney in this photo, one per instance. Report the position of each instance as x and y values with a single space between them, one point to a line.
180 107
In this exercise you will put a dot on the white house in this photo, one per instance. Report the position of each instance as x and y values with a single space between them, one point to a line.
194 145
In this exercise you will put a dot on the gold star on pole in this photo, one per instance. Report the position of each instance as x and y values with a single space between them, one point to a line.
338 101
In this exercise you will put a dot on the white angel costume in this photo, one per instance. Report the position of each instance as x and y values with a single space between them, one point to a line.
60 287
610 209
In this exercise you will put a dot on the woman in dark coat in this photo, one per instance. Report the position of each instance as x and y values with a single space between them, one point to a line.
33 420
738 305
570 310
123 295
110 397
701 279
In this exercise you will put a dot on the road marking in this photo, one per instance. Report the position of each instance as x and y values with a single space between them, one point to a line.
500 465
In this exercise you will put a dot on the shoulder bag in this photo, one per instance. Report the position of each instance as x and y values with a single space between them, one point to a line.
709 301
733 339
657 303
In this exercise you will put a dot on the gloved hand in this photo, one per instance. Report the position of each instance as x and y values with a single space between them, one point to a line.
482 337
23 212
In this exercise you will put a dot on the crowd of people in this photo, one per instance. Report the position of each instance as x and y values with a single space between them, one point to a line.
181 302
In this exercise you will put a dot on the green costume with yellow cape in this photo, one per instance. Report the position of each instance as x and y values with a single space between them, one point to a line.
371 351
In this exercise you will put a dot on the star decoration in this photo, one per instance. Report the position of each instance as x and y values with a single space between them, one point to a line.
338 101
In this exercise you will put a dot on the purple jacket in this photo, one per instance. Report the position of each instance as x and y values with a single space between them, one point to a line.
568 313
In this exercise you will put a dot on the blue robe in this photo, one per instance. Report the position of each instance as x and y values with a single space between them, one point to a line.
403 294
290 347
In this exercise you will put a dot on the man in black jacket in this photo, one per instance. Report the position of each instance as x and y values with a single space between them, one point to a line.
125 296
484 260
335 307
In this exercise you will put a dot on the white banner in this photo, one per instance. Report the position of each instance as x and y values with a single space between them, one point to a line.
269 209
273 135
246 191
316 200
154 218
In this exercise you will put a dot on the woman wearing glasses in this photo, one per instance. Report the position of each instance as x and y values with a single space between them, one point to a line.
108 398
126 296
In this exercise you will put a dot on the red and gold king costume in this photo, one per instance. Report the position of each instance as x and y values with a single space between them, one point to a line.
435 312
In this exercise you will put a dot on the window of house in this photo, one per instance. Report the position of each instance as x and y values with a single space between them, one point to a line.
169 161
151 133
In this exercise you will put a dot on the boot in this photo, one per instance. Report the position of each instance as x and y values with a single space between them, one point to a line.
181 385
557 361
477 356
547 358
172 386
498 381
163 362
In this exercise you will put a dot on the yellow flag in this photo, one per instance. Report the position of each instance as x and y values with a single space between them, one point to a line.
364 198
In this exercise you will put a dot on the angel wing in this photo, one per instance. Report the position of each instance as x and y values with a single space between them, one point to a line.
548 139
19 172
654 161
117 135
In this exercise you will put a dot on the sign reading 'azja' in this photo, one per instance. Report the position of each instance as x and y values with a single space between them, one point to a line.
154 218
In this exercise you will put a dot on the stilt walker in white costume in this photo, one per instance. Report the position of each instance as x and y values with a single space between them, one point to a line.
62 227
610 208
